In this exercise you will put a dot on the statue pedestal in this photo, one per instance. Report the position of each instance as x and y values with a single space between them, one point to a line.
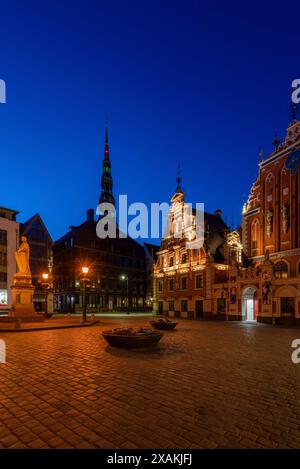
22 300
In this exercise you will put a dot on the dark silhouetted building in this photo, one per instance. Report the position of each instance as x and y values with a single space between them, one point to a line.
41 261
117 267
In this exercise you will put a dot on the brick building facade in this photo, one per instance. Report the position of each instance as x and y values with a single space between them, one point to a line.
256 278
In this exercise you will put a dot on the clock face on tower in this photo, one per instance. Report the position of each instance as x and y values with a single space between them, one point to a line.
292 162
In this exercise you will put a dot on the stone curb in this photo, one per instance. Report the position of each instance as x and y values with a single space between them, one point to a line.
48 328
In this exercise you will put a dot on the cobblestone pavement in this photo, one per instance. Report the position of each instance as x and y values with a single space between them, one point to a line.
206 385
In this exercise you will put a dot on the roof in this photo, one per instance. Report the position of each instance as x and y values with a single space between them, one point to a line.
5 209
25 227
88 230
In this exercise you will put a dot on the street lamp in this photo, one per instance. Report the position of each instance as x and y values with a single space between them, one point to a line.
125 277
45 277
85 271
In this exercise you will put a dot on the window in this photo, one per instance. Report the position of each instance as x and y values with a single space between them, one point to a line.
3 297
199 281
3 237
287 306
171 306
184 306
171 261
3 277
184 258
184 283
281 270
3 259
254 234
171 284
160 285
220 276
221 305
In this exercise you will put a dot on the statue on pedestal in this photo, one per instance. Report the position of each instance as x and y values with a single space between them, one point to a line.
22 289
22 258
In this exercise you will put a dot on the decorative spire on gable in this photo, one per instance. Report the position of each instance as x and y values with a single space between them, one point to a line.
179 194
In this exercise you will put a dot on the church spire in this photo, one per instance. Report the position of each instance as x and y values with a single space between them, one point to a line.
106 179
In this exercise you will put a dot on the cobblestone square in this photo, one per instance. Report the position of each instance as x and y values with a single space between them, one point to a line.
206 385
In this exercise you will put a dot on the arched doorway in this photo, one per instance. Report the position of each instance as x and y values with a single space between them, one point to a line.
249 304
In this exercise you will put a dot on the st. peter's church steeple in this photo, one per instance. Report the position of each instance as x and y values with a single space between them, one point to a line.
106 179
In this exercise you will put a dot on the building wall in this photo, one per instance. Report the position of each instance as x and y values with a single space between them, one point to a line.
11 228
264 283
110 262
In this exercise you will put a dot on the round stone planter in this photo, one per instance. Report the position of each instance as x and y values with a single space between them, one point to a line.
132 338
163 324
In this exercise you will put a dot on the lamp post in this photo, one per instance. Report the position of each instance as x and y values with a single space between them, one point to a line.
85 271
125 277
45 277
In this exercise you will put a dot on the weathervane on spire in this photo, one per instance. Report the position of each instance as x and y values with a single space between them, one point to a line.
178 179
261 154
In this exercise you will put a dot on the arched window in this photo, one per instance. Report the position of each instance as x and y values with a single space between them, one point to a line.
281 270
254 234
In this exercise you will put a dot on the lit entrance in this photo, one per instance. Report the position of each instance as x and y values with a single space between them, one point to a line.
249 304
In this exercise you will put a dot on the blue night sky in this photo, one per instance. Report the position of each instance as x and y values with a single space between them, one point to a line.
203 83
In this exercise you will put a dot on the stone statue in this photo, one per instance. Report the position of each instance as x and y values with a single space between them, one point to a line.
269 227
22 258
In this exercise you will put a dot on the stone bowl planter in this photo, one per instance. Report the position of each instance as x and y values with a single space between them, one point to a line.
128 337
163 324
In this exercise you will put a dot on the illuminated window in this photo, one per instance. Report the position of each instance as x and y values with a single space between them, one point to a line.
184 258
160 285
254 234
3 297
281 270
171 284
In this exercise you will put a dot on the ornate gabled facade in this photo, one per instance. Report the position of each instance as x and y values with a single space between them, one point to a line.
256 279
271 231
187 269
